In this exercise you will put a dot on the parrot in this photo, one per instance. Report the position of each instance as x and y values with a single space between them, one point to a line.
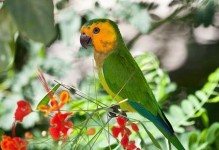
121 76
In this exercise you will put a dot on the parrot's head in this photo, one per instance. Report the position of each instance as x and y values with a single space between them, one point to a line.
102 34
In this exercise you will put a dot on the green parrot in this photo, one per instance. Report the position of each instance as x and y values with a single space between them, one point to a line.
120 75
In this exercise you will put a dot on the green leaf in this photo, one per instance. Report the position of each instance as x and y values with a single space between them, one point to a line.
1 132
187 107
209 87
213 133
34 18
214 99
204 117
176 112
187 123
7 56
46 99
214 76
202 137
112 146
193 139
194 100
7 26
151 137
201 95
7 44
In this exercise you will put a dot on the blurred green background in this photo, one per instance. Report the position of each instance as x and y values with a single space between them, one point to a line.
176 43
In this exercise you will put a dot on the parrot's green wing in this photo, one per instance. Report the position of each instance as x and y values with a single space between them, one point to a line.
124 77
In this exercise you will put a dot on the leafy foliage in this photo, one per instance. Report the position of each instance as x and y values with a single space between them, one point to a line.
23 24
157 78
207 139
38 25
192 106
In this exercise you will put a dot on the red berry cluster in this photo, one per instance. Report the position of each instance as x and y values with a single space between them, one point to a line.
125 132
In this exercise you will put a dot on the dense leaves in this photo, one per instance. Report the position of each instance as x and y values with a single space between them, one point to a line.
192 106
7 32
38 20
28 27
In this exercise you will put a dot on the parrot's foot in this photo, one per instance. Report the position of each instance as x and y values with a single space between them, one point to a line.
116 111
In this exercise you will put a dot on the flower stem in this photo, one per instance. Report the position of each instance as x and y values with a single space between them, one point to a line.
13 128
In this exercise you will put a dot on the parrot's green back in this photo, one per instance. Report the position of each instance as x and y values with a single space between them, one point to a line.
121 76
124 78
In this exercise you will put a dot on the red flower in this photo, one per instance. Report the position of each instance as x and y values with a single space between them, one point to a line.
121 121
60 126
125 133
54 104
132 146
125 140
15 143
134 127
22 110
121 129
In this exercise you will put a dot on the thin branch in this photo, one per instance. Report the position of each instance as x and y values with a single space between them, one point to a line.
156 25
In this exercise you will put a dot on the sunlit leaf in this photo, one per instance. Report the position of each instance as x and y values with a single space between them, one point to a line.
201 95
176 112
208 87
194 100
187 123
214 99
46 99
187 107
214 76
179 129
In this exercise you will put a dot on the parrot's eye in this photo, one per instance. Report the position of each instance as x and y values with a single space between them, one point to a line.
96 30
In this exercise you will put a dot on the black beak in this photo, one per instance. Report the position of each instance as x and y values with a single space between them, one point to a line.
85 40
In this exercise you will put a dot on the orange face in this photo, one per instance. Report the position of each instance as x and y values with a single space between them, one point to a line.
101 35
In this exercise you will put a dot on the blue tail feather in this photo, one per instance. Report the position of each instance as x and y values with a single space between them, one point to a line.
157 120
163 125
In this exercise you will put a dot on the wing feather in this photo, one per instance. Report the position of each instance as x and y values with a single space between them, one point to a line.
125 78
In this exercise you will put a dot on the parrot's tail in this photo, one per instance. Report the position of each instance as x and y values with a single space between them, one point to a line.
173 139
168 132
161 122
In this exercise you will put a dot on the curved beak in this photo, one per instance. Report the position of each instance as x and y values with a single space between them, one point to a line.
85 40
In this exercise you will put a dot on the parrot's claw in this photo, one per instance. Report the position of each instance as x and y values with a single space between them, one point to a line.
116 111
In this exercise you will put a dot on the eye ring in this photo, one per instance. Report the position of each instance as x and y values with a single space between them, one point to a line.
96 30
